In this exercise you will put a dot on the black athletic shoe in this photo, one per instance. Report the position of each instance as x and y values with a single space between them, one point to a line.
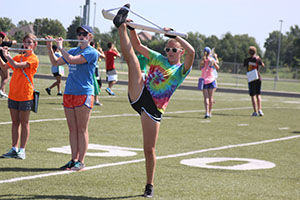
149 191
121 16
69 165
48 90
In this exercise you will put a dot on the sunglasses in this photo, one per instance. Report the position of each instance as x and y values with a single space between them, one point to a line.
82 33
174 50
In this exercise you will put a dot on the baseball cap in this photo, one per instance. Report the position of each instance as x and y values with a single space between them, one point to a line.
85 28
207 49
2 34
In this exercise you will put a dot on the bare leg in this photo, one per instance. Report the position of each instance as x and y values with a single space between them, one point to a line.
25 128
73 132
206 100
254 103
14 114
150 135
82 120
258 97
111 83
4 78
135 79
211 99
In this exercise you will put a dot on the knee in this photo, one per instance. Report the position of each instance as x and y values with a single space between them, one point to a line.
149 151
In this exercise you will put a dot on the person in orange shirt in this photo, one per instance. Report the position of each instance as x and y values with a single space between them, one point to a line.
20 97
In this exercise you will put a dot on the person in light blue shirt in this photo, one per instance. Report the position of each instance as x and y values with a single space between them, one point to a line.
58 72
78 96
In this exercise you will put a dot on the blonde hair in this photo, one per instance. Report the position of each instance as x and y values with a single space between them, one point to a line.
252 50
173 40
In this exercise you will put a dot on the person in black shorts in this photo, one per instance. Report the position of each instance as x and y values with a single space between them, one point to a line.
253 63
58 72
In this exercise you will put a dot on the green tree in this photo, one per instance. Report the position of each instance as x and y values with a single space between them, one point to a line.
45 26
71 30
271 46
5 24
23 23
197 41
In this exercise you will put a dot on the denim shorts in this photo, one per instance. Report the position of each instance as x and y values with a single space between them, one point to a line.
211 85
20 105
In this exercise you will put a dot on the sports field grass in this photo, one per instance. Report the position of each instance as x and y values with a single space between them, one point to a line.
231 134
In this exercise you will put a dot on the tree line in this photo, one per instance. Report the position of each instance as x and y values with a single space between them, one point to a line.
230 48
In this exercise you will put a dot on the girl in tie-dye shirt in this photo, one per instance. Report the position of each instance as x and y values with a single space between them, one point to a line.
150 97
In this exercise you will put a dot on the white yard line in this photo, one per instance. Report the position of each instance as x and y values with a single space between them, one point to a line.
130 115
142 160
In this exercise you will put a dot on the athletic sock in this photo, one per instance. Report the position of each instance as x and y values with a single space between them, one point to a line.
15 149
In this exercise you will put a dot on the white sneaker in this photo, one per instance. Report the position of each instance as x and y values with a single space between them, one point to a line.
2 94
260 112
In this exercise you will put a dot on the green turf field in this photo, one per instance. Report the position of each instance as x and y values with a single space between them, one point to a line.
118 173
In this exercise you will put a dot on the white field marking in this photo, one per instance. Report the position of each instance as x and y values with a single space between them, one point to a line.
141 160
284 128
252 164
131 115
243 125
296 102
110 151
205 121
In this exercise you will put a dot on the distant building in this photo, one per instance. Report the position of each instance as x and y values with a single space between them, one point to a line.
144 36
26 29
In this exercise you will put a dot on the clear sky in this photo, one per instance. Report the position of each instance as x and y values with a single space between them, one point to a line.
257 18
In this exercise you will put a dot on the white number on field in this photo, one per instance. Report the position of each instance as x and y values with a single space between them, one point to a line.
109 151
248 164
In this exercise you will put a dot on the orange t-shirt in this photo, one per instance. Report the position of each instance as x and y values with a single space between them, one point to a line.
19 88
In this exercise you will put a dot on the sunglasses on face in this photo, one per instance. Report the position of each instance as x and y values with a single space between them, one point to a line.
174 50
82 33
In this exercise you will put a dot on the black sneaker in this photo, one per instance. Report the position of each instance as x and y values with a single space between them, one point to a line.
121 16
149 191
59 94
69 165
48 90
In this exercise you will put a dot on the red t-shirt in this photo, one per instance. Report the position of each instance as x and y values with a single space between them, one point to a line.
110 59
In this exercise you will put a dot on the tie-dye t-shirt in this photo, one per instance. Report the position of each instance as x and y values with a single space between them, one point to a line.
163 79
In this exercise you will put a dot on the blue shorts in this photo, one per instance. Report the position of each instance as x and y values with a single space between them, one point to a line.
20 105
145 103
211 85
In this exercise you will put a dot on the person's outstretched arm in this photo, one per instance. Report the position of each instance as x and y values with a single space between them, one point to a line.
137 45
190 53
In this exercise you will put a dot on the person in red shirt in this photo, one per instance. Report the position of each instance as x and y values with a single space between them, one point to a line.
111 73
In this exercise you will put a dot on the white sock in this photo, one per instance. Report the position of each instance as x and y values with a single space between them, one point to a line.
22 150
15 148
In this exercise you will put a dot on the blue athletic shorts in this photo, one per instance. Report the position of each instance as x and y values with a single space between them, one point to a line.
211 85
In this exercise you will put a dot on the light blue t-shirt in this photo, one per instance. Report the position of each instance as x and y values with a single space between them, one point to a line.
80 79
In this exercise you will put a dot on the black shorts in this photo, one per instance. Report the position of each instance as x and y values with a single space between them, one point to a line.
254 87
56 74
145 103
